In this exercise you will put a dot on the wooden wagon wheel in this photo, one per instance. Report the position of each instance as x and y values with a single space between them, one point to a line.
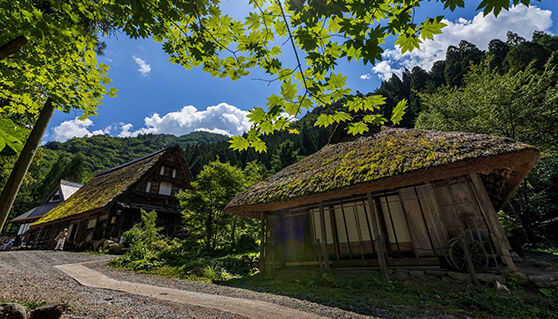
455 255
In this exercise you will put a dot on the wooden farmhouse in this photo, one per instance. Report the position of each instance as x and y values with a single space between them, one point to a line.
396 198
110 203
60 193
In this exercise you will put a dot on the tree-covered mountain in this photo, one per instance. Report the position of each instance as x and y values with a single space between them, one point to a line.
511 55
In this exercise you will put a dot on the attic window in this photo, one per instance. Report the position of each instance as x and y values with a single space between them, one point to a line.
162 172
56 197
148 187
165 188
174 173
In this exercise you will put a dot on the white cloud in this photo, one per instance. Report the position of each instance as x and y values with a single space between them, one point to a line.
223 119
125 130
144 68
480 31
366 76
74 128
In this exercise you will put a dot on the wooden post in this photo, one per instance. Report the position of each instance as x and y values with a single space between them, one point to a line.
262 241
324 236
470 266
23 162
320 257
496 231
379 242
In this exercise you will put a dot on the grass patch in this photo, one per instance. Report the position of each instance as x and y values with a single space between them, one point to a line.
365 293
29 304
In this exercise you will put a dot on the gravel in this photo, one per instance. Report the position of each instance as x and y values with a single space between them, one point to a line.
30 276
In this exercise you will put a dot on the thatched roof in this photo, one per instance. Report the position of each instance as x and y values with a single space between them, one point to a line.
383 161
104 188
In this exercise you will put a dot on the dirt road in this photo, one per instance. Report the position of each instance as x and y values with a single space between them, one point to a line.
41 276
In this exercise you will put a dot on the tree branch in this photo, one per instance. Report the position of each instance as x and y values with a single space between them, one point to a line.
13 46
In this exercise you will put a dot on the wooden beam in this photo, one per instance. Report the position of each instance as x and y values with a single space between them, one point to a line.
379 242
324 236
262 241
489 213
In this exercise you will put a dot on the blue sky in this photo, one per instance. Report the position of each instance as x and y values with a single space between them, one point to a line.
155 96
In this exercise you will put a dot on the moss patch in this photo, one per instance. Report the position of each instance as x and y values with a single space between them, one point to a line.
388 153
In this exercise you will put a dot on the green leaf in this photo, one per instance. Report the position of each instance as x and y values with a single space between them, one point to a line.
336 81
430 27
357 128
239 143
11 135
324 120
408 42
494 6
256 115
259 146
452 4
342 117
399 111
288 90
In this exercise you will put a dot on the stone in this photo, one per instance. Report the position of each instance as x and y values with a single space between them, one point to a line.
401 275
543 264
436 273
550 269
116 249
48 311
416 273
13 311
544 281
522 279
460 277
491 278
515 257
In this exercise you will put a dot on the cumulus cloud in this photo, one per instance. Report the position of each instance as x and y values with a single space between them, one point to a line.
480 30
144 68
366 76
74 128
223 119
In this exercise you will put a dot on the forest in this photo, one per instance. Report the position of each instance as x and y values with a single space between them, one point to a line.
508 90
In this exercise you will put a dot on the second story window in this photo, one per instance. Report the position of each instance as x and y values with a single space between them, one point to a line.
162 172
165 188
148 187
174 173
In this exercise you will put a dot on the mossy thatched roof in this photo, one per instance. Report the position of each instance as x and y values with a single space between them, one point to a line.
389 153
103 188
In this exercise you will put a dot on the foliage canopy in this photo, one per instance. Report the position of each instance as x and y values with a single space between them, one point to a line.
315 34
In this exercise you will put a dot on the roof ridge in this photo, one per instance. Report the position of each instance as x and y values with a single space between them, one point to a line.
70 183
134 161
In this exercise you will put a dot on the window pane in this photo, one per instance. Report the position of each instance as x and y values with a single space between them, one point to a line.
165 188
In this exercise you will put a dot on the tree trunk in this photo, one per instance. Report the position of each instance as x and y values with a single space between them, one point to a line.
233 231
526 215
12 47
23 162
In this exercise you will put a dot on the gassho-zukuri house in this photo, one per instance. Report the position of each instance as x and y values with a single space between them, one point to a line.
110 203
60 193
396 198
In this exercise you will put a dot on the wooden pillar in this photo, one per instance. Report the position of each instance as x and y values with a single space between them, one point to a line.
495 229
262 241
324 236
379 242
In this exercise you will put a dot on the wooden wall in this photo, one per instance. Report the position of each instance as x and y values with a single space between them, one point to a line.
414 222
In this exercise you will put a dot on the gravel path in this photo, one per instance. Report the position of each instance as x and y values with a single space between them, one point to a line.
30 275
